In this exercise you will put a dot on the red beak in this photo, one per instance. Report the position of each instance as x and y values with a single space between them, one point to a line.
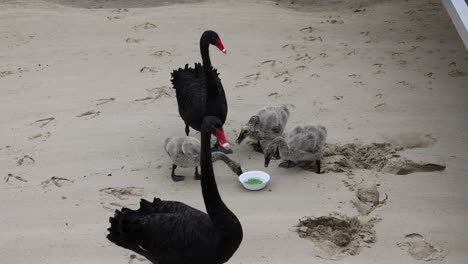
220 45
222 138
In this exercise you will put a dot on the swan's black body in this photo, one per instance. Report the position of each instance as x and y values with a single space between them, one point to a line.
195 98
199 90
168 232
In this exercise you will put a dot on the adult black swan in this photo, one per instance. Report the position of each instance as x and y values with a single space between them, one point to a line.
169 232
200 93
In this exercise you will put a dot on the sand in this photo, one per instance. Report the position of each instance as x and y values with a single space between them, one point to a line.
86 103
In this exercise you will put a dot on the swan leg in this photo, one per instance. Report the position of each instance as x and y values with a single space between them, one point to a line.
174 177
277 155
287 164
197 175
187 129
319 165
218 148
257 147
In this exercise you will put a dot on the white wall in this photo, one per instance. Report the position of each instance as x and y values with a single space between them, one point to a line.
458 11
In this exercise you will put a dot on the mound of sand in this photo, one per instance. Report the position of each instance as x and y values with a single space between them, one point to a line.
375 156
338 236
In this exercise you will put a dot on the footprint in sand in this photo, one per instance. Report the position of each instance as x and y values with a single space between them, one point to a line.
123 193
420 38
253 76
313 38
353 52
120 10
44 121
402 63
406 84
115 17
274 69
56 181
271 63
90 114
134 40
379 72
161 53
242 84
421 249
275 94
145 26
282 74
25 160
333 21
16 177
146 69
104 101
303 57
456 73
291 46
41 136
5 73
163 91
413 48
301 68
156 93
354 76
429 75
308 29
249 80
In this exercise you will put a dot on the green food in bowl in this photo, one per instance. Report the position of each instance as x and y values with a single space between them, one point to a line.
253 181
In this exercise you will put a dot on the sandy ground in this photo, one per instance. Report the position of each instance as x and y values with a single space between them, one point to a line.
86 103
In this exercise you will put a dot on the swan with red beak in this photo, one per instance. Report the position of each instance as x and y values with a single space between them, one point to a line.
200 92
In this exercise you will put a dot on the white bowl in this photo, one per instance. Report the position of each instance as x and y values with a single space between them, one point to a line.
254 174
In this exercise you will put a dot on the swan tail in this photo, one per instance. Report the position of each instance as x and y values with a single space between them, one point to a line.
183 77
125 227
149 207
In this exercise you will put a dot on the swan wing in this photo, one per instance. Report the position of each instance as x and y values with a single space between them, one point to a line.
190 86
273 119
306 138
191 147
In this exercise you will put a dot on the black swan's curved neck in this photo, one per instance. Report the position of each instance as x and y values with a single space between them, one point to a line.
207 68
205 53
213 202
228 226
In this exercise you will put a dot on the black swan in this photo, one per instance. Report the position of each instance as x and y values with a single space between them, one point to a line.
200 93
170 232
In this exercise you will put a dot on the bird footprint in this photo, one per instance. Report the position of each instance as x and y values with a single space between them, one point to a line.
90 114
